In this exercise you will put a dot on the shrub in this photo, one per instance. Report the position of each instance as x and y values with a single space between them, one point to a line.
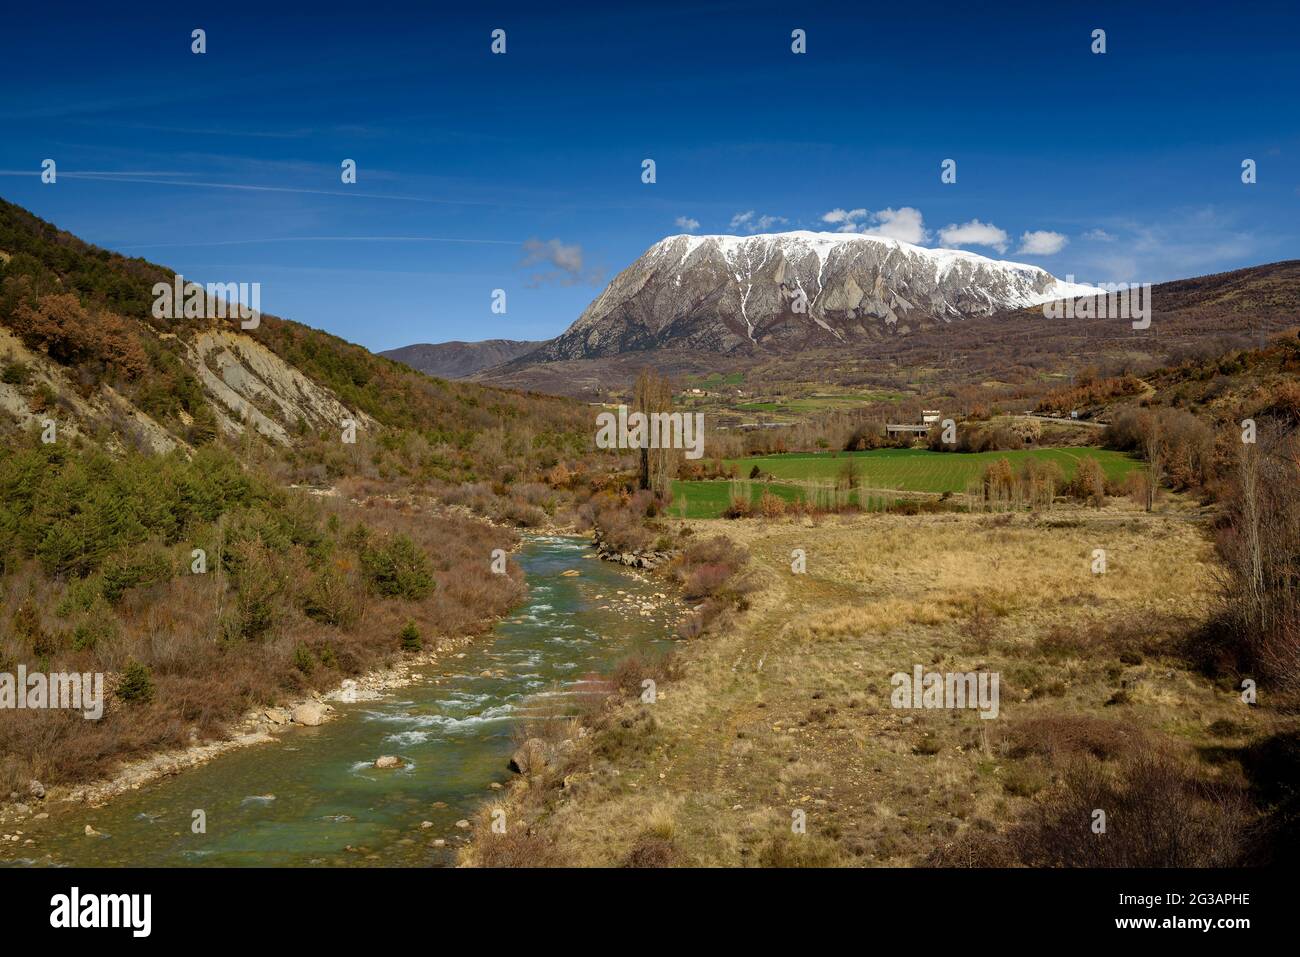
132 571
332 598
1157 815
1089 483
771 506
738 508
629 673
621 528
712 570
652 850
136 684
95 629
397 568
518 847
409 637
15 373
73 335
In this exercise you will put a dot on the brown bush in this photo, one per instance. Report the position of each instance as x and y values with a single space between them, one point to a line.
629 673
710 568
71 335
1064 737
1158 814
652 850
771 506
1088 483
518 847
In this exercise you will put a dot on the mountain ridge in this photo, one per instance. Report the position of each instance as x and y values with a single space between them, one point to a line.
459 359
790 291
1011 346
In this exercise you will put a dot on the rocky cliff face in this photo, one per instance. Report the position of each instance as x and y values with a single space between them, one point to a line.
245 384
786 291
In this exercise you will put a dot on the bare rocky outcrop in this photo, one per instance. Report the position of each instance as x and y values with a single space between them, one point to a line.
252 386
246 385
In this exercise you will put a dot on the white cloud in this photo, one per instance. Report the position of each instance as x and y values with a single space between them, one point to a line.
687 223
1041 242
752 223
565 257
1099 236
1180 244
843 215
904 224
974 233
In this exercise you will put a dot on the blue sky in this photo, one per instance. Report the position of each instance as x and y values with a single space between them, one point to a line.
523 171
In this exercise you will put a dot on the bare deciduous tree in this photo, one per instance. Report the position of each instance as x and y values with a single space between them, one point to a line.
654 393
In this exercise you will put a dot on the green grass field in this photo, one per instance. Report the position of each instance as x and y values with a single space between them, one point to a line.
716 380
908 470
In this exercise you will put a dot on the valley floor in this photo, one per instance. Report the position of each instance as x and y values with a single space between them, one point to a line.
789 708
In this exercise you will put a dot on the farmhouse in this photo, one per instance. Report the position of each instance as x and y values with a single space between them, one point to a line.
928 418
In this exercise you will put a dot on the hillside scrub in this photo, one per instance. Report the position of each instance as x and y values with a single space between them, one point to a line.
214 589
1089 390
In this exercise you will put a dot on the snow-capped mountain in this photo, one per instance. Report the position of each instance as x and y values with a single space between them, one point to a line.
785 291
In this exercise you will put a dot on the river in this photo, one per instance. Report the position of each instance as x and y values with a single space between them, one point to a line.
313 797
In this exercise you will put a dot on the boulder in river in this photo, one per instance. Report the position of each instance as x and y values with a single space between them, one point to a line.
310 713
388 761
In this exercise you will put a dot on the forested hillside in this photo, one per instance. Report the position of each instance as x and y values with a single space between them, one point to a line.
149 529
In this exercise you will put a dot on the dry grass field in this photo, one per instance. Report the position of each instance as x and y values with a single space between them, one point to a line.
786 708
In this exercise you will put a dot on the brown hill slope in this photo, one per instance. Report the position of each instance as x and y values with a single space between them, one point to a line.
79 344
456 359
